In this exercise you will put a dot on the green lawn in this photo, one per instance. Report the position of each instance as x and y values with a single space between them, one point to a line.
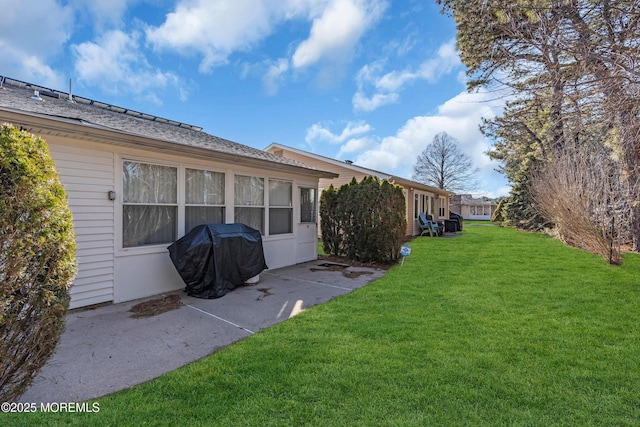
495 327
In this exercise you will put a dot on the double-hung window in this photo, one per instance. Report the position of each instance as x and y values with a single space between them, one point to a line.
204 198
150 204
280 207
249 201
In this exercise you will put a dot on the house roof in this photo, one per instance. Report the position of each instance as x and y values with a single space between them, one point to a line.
380 175
101 122
469 200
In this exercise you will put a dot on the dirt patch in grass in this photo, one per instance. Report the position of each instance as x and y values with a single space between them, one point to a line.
156 306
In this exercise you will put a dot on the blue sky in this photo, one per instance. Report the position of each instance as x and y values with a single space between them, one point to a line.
372 81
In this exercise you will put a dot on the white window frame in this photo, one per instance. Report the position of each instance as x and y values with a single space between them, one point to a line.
314 219
229 171
243 205
123 204
276 207
222 205
181 189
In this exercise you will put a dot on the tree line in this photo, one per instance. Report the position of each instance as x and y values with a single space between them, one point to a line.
569 136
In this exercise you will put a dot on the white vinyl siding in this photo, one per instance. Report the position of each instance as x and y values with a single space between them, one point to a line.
87 176
107 272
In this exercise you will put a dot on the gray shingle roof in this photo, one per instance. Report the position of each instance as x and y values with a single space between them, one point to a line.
17 96
469 200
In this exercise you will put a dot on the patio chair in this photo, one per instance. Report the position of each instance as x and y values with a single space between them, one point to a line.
428 225
439 225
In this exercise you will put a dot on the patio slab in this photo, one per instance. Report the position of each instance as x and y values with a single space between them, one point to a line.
105 349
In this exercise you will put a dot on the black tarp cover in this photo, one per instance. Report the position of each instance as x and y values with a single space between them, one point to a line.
214 259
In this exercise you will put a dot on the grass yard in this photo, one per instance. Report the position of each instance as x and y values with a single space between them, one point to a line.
495 327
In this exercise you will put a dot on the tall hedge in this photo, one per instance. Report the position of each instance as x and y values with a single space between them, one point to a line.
37 259
330 226
364 220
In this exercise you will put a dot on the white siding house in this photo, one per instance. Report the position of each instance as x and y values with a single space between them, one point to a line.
136 183
480 208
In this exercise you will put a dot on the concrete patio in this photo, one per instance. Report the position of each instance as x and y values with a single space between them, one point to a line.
105 349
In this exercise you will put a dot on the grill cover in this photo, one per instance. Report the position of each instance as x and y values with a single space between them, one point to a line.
214 259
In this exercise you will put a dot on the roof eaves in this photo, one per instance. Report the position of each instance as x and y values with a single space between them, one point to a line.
379 174
105 134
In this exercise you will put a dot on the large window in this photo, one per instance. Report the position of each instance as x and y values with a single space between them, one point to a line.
204 202
150 204
280 207
160 202
479 210
249 201
308 206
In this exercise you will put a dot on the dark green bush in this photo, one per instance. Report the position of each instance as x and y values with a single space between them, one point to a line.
365 220
37 259
329 223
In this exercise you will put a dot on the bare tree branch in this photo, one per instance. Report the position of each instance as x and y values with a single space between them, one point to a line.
442 164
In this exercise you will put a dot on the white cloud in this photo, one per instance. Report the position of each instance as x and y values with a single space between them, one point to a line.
353 146
104 13
459 117
36 71
318 133
362 103
334 34
31 33
386 87
116 64
495 192
275 75
215 29
367 75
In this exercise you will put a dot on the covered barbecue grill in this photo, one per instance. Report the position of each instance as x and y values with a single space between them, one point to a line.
214 259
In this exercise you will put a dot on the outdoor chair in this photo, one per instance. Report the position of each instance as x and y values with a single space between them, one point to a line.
428 225
439 225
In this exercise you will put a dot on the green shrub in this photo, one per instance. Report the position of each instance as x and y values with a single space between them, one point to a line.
329 223
364 220
37 259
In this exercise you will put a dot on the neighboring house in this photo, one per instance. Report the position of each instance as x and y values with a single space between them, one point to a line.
137 182
419 197
472 208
